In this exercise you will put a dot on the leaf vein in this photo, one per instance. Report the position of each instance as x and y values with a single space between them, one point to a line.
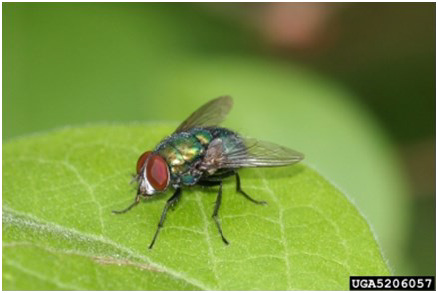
10 216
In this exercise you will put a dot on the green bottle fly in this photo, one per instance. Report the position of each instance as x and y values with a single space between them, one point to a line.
201 153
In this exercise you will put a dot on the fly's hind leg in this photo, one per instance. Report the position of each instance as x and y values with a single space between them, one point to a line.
239 189
217 205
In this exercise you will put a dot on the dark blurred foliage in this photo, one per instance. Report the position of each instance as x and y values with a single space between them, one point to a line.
387 54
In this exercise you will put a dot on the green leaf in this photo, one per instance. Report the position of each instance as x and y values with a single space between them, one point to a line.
59 233
194 57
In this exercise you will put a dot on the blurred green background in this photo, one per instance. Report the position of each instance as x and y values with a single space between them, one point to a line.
350 85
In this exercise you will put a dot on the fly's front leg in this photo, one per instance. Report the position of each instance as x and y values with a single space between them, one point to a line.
136 201
169 203
239 189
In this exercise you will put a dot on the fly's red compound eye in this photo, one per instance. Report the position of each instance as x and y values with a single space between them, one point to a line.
157 172
141 160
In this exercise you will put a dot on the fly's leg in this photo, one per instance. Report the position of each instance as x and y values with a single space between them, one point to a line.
217 205
136 201
169 203
216 212
239 189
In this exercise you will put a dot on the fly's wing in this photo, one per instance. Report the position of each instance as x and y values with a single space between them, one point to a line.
210 114
247 152
256 153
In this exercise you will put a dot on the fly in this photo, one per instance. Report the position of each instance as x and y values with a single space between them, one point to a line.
200 153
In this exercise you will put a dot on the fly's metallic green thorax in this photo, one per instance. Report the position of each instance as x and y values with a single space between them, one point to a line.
184 150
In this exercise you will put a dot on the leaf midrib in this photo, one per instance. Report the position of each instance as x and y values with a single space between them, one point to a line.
10 215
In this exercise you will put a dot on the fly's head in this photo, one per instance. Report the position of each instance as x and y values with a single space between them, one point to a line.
153 174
